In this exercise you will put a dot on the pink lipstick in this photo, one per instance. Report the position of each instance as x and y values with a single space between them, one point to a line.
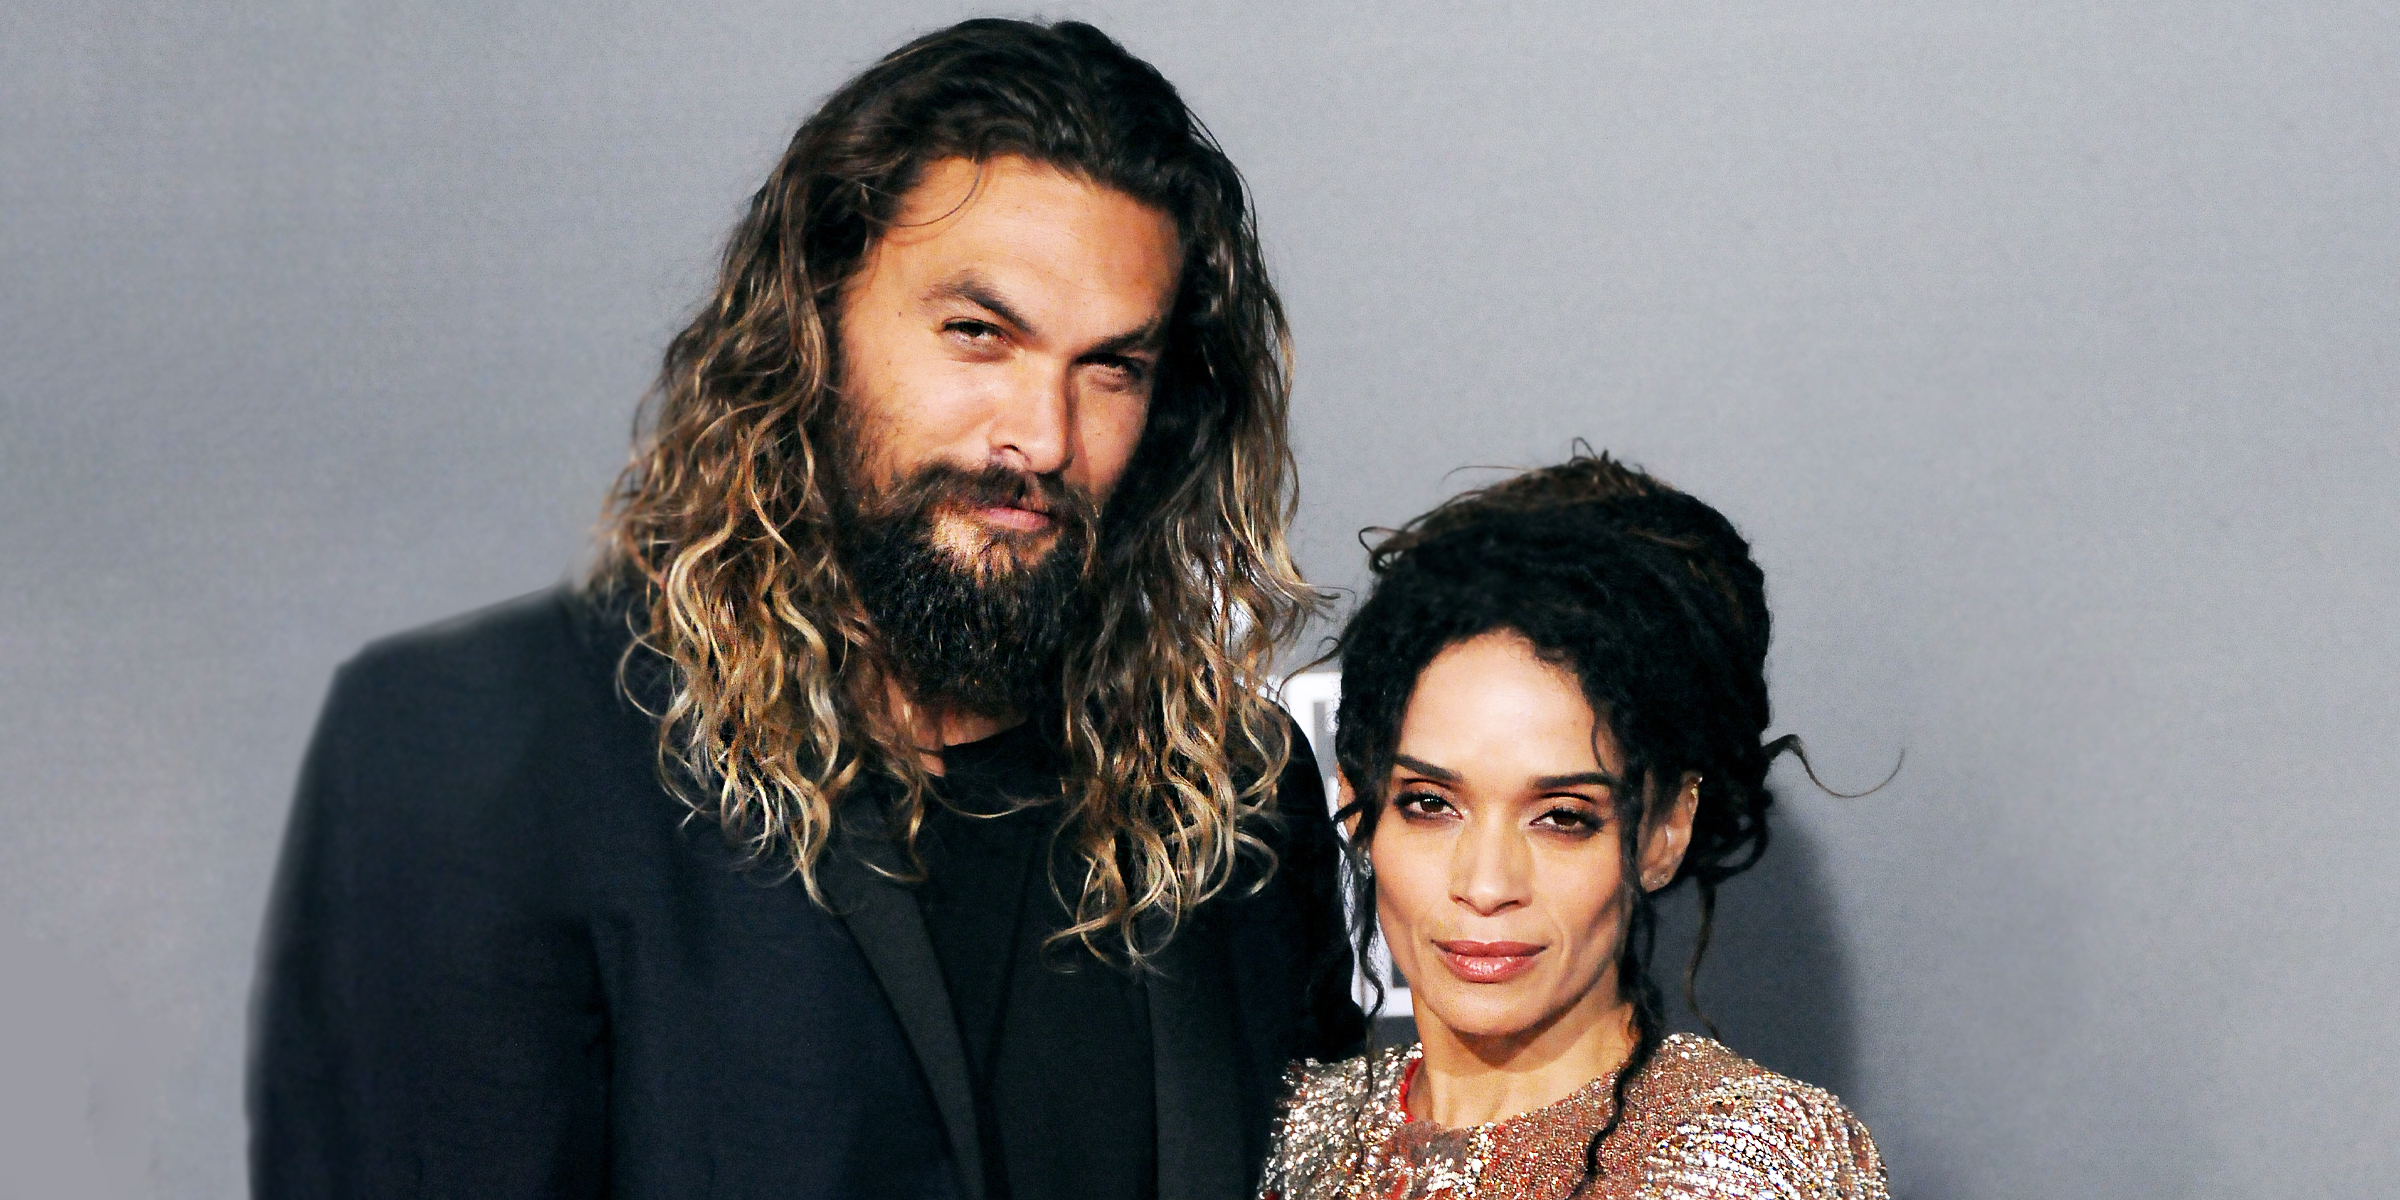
1488 962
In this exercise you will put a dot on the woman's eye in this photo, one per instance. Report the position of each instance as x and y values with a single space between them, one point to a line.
1570 820
1420 804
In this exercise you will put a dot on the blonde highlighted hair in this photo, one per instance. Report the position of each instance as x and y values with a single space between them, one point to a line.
720 529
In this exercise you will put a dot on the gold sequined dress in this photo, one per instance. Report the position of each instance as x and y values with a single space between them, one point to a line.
1702 1123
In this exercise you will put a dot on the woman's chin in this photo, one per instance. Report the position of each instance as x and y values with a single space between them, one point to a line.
1479 1012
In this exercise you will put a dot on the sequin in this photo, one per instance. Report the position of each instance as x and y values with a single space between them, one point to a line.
1702 1123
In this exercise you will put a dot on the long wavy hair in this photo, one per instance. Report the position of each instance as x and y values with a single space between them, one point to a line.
722 525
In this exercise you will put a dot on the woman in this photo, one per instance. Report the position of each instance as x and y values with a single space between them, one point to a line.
1552 706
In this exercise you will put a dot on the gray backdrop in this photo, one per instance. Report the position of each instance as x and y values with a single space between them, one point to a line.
2045 349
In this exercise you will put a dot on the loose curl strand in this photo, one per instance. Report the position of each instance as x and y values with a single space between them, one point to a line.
719 533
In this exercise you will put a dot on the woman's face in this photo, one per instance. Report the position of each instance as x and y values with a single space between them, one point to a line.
1498 869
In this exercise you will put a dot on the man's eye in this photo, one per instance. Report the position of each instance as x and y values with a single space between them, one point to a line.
972 330
1127 372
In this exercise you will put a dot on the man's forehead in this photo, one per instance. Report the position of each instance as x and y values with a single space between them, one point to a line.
1010 195
945 186
1012 236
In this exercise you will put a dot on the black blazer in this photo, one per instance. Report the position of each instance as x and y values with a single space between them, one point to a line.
502 961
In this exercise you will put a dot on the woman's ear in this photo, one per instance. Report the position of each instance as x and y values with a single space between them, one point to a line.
1670 834
1343 800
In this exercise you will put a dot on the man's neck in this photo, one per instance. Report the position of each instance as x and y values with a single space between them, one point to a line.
958 728
937 726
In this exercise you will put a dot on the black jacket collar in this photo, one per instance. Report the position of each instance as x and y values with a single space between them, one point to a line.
857 878
1192 1025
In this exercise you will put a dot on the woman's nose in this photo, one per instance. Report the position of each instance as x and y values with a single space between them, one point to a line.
1490 869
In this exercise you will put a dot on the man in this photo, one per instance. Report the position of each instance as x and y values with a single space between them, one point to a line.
895 811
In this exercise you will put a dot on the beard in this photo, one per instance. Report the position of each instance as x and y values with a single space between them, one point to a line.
970 615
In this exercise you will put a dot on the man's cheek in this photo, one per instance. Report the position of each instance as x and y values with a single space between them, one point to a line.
1120 468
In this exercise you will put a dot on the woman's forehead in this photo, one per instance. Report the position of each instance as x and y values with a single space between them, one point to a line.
1490 706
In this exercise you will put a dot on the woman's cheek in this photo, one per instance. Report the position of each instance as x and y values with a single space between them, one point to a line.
1399 900
1588 916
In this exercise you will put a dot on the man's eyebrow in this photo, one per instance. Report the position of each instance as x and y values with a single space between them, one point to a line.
1428 770
978 291
1148 337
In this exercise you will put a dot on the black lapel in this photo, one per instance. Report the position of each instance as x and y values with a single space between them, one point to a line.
889 927
1193 1042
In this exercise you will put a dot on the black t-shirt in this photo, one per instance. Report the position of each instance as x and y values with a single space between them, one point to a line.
1057 1040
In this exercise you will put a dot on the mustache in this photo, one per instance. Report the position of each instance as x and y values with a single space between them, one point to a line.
946 485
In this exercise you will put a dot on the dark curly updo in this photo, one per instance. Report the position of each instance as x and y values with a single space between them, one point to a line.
1650 600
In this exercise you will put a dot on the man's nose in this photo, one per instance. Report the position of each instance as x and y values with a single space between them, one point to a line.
1491 869
1034 429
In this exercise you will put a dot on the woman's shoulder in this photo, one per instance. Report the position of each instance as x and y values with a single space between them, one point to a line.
1730 1127
1347 1082
1328 1111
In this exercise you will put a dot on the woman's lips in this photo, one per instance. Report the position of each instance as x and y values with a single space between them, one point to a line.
1488 962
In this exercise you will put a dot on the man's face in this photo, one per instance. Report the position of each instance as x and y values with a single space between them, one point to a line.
999 346
1011 319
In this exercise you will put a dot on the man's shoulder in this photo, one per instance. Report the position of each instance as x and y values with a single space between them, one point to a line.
545 641
474 643
481 676
500 718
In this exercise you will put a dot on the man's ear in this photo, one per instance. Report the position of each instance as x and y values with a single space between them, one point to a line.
1670 834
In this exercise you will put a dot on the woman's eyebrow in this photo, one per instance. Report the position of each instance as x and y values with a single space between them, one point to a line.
1579 779
1430 771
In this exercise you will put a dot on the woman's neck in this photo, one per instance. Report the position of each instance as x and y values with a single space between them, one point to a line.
1466 1079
